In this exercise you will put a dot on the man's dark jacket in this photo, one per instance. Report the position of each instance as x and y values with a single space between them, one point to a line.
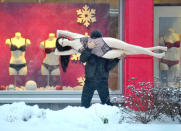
97 68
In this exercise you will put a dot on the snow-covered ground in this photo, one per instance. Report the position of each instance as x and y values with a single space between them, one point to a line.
22 117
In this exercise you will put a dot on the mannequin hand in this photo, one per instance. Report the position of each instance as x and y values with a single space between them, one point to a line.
123 55
91 45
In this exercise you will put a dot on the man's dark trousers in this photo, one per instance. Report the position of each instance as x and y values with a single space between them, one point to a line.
88 91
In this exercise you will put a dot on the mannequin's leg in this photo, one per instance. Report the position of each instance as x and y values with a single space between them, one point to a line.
163 48
117 53
130 49
113 54
70 34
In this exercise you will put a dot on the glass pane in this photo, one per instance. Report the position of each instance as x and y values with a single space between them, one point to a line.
28 37
168 33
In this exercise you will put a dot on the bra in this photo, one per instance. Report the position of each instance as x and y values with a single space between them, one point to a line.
175 44
15 48
49 50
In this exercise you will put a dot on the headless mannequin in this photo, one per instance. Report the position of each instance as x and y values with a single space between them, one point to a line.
17 61
50 65
169 64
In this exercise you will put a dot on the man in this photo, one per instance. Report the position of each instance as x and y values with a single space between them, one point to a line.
96 74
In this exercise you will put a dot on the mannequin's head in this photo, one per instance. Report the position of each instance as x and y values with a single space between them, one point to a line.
64 59
18 35
171 30
51 36
64 42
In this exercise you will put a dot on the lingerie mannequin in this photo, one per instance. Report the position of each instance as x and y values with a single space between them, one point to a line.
17 46
169 64
50 65
69 43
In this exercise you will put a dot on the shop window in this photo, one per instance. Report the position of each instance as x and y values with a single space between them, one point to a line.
168 33
26 65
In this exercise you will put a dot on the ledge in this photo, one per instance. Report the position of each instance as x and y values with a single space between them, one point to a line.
49 96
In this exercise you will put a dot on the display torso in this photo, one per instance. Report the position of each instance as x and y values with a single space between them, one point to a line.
50 64
17 62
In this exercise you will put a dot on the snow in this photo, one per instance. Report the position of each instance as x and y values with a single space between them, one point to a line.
22 117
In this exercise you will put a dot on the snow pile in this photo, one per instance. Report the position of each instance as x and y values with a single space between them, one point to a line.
20 112
21 117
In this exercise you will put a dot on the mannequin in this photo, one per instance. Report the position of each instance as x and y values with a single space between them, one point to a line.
105 47
17 46
50 65
169 64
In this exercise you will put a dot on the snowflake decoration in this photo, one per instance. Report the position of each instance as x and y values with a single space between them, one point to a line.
76 57
87 34
81 81
86 15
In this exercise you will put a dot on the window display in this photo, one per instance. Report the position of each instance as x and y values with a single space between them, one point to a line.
30 56
168 33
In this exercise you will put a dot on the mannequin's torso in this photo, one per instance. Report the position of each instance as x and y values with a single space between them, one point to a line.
172 56
50 65
17 46
173 52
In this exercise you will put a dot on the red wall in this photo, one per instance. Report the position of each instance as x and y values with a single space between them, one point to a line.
139 31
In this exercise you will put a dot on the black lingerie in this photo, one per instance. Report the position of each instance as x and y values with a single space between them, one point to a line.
101 49
49 50
17 67
15 48
50 68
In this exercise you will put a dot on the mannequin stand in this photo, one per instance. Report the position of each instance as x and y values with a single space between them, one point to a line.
15 80
48 80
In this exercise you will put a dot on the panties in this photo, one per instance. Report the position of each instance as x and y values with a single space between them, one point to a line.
101 49
17 67
50 68
169 62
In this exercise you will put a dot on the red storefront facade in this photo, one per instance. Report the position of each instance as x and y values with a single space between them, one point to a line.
129 20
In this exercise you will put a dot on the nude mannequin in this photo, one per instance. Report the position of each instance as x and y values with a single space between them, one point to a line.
50 65
115 47
18 46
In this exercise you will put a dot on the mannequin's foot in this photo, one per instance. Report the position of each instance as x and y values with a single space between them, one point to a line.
160 55
163 48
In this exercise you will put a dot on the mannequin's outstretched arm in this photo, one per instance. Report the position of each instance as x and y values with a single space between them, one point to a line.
70 34
69 52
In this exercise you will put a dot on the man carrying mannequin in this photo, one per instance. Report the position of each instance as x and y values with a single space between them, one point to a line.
96 74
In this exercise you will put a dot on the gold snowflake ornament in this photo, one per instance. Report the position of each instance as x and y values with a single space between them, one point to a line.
86 15
81 81
76 57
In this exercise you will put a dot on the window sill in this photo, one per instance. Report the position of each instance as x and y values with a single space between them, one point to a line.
49 96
